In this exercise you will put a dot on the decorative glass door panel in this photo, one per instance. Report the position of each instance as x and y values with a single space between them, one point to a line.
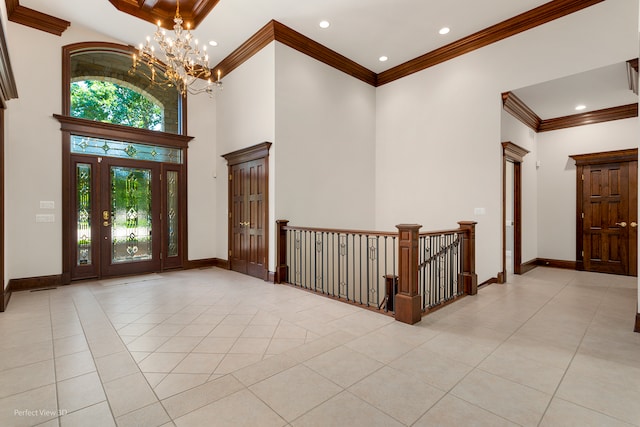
131 217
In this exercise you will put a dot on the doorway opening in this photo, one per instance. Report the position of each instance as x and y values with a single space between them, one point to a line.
512 158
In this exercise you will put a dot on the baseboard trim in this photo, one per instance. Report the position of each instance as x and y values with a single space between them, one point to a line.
528 266
637 327
271 277
33 283
557 263
199 263
6 296
222 263
489 282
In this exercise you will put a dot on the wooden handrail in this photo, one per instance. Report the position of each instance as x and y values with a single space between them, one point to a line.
340 231
439 232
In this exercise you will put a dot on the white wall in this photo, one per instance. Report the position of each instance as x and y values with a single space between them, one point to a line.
33 162
438 131
202 169
245 116
557 178
325 137
515 131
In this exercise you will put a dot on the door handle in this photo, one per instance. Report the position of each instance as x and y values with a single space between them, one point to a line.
245 224
634 224
622 224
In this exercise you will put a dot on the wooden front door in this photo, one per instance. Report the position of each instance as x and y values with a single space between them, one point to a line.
608 213
126 216
248 211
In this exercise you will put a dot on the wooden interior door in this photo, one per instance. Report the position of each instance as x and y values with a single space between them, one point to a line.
248 210
607 214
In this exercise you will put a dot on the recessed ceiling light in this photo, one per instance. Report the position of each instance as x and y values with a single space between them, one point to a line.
324 24
382 58
444 30
580 107
213 43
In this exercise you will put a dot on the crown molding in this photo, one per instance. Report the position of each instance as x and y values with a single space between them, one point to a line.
246 50
592 117
518 24
277 31
304 44
8 88
521 111
518 109
34 19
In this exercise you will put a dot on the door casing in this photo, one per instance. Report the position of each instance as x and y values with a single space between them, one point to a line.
514 154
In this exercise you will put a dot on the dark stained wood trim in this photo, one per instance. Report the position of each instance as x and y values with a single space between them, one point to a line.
246 50
514 152
153 11
592 117
222 263
199 263
304 44
40 282
490 281
34 19
86 127
274 30
556 263
8 88
637 326
518 24
633 63
629 155
518 109
525 267
254 152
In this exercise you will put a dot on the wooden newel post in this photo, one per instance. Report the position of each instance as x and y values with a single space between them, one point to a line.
469 278
282 270
407 303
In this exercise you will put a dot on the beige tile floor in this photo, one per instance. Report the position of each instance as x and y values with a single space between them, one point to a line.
212 347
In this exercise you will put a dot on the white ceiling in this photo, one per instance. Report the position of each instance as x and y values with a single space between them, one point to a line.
596 89
362 30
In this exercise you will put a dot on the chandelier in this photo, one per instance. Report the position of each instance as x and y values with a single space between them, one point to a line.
185 65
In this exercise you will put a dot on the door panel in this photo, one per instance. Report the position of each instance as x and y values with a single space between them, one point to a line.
131 220
606 208
248 187
238 251
84 223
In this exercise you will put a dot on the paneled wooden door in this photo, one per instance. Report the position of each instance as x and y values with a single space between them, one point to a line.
247 254
248 211
609 216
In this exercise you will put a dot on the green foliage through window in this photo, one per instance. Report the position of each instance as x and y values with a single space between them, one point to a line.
111 103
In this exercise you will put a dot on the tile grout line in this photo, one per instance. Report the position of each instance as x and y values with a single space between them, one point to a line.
108 322
595 312
448 392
